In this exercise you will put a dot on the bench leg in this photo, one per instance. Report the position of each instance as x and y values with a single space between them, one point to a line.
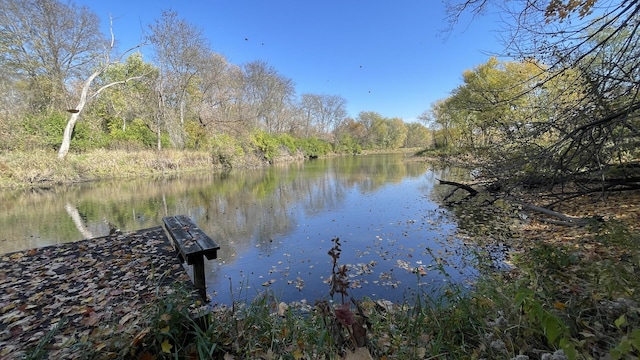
198 277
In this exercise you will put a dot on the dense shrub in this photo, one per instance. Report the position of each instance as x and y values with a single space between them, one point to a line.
45 130
289 142
136 133
85 137
225 149
313 147
196 135
346 144
266 144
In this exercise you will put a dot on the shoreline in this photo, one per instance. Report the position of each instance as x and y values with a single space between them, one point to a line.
41 169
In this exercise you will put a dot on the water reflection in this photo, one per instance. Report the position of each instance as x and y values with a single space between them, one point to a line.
274 225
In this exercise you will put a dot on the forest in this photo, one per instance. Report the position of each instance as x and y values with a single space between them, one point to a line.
560 104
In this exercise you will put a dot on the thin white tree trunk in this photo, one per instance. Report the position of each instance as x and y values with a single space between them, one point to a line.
75 113
68 130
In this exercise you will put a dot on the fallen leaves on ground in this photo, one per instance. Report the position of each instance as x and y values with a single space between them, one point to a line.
80 287
583 277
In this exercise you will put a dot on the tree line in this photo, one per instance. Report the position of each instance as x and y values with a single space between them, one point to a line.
62 79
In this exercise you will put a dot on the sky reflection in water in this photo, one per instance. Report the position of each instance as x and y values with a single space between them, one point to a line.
274 225
395 241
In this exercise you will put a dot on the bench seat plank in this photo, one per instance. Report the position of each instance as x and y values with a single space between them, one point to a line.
185 245
207 245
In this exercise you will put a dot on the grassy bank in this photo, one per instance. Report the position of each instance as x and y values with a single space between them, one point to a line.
43 168
20 169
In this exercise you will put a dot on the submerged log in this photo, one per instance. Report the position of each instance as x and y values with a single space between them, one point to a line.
472 192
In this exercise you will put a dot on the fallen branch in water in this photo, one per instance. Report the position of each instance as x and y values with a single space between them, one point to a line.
564 220
472 192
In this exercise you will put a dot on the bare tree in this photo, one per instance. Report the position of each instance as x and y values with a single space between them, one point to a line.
49 44
221 87
268 95
180 48
323 113
598 40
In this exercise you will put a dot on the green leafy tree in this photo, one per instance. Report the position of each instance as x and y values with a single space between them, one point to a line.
397 133
131 101
440 120
353 133
592 133
496 100
418 135
87 93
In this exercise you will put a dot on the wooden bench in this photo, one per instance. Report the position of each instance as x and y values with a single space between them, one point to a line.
192 245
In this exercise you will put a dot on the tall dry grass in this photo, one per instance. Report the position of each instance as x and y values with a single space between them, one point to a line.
42 168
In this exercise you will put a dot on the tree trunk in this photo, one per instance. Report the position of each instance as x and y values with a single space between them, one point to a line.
75 114
66 136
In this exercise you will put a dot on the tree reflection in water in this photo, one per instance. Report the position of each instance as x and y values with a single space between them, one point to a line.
274 225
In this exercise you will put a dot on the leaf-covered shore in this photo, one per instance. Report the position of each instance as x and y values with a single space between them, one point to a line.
59 301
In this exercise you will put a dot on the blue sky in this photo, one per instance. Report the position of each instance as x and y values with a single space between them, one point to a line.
390 57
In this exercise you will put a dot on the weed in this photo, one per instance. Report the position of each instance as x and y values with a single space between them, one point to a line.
339 279
38 352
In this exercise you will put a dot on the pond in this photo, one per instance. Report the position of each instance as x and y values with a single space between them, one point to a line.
275 226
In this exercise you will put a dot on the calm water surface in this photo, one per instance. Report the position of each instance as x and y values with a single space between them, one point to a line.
274 225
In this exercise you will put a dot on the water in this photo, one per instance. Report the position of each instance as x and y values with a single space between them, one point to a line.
275 226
